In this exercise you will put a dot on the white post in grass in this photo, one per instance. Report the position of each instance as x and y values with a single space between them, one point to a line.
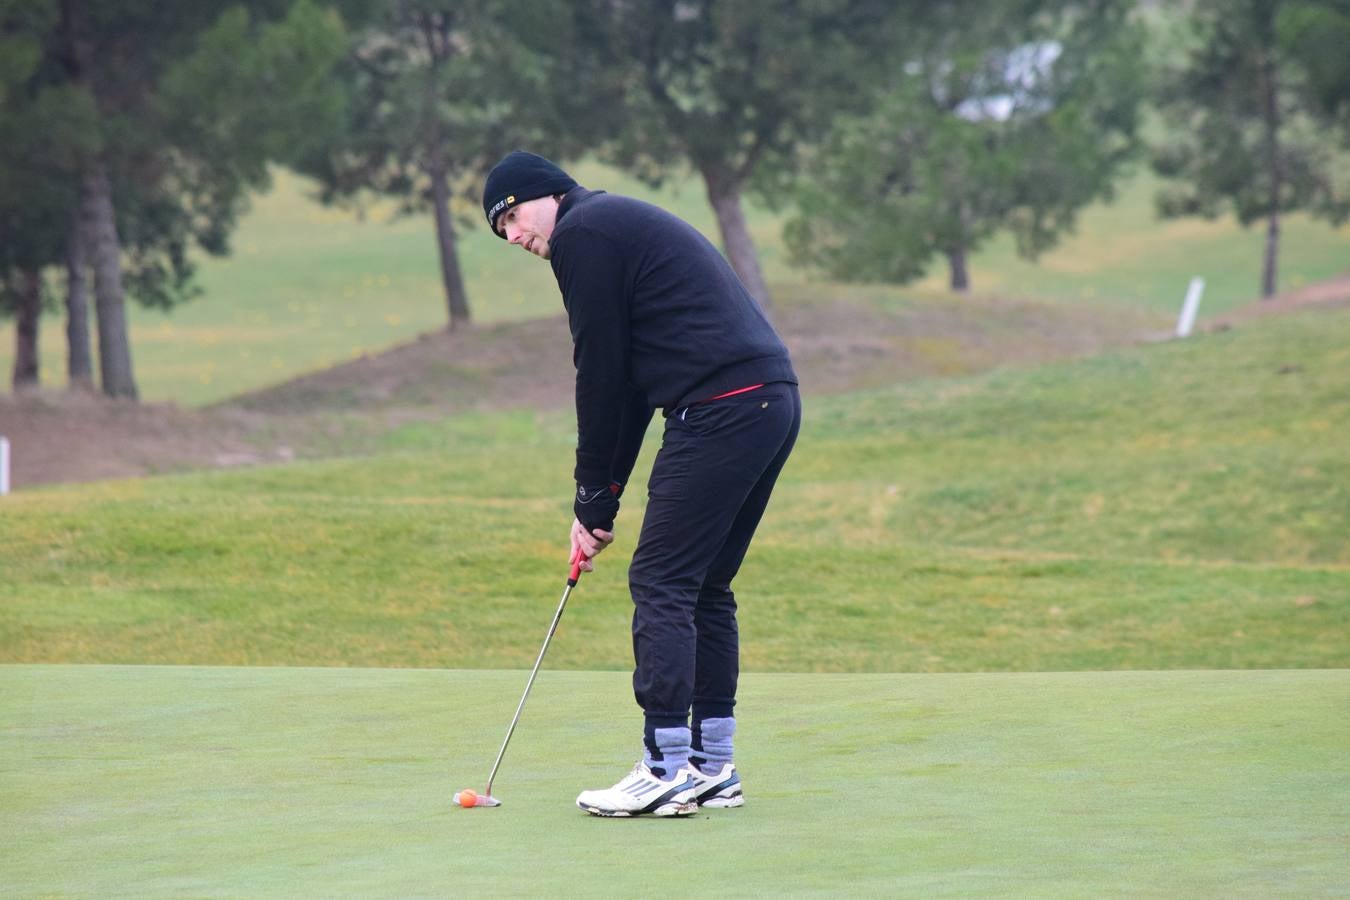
1190 307
4 467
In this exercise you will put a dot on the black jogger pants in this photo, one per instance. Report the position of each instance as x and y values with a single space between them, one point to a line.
709 486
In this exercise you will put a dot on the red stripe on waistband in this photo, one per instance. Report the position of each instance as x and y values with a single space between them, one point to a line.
744 390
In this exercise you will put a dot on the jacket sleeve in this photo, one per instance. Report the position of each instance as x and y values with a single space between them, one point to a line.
591 274
637 414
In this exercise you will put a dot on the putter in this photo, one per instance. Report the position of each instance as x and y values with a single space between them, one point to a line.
469 798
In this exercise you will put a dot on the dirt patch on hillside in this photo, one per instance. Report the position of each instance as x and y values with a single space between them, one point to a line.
838 343
1333 293
510 365
841 345
75 436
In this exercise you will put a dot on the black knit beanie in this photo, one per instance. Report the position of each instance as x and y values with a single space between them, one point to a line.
519 177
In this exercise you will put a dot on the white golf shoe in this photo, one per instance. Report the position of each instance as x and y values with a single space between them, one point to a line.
719 791
641 793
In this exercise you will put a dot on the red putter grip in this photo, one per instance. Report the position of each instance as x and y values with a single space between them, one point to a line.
577 558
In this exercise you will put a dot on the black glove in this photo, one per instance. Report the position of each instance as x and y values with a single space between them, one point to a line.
596 507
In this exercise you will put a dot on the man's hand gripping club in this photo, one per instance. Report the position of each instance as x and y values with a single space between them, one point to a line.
592 529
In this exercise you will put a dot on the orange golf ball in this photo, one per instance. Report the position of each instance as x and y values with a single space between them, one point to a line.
468 798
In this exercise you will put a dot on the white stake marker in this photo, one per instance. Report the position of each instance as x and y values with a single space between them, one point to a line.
4 467
1190 307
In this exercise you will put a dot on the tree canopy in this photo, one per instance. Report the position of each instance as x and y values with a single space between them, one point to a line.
436 92
734 90
1247 120
133 130
1314 36
1006 118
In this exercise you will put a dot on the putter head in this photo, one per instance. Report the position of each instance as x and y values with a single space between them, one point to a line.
478 800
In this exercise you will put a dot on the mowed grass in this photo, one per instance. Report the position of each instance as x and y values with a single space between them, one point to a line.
149 781
1121 253
309 286
1182 505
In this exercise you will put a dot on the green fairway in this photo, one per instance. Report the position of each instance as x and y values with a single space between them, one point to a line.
285 782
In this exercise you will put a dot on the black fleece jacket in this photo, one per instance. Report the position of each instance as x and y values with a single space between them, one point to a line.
658 319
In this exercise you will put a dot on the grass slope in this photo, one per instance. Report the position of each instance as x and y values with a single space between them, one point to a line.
1173 506
308 287
283 782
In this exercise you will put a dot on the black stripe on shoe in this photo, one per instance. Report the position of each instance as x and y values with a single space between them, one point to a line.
733 781
660 801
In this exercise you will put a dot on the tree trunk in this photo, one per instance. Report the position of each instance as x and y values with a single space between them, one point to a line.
79 361
1269 274
26 315
724 193
436 31
100 242
960 275
1274 160
451 279
105 252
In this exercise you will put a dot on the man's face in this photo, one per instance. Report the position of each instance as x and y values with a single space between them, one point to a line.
530 224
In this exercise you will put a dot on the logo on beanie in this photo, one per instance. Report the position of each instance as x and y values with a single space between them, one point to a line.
511 199
496 208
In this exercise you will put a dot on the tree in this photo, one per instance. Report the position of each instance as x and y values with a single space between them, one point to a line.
253 91
42 128
182 108
734 89
429 109
1313 36
1246 129
1010 117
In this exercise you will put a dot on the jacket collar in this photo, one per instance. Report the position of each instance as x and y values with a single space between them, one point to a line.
572 198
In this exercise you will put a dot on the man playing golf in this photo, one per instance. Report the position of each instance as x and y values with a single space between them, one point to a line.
659 320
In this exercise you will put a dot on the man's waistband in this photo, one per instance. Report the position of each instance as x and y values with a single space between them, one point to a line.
737 378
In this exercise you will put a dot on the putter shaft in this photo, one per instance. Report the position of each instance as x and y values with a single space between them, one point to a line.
557 616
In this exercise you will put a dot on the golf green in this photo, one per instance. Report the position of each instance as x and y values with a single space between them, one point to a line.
153 781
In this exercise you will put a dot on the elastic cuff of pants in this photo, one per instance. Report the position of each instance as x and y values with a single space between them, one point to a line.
666 720
709 710
658 739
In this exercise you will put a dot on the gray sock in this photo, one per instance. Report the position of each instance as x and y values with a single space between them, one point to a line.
712 744
672 752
